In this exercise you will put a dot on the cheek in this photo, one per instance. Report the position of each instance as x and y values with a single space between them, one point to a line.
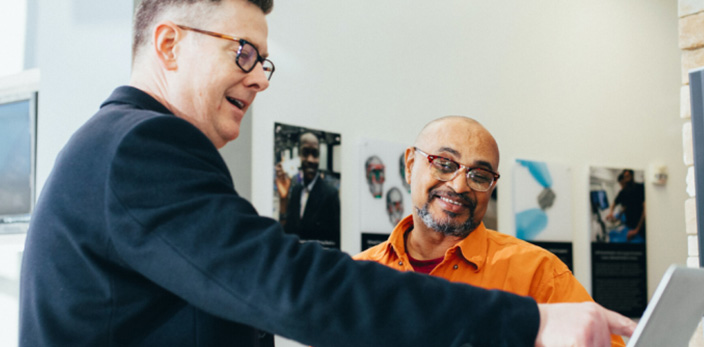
482 204
419 190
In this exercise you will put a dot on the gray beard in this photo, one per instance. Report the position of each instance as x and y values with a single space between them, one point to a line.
445 225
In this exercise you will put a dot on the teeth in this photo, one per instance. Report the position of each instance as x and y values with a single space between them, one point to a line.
236 102
450 201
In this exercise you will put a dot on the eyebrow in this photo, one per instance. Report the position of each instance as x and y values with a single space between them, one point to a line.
485 164
451 151
478 163
263 55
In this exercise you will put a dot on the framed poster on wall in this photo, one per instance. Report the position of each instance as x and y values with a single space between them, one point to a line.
307 182
542 197
618 227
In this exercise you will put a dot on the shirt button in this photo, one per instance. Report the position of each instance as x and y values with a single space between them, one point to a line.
455 267
400 263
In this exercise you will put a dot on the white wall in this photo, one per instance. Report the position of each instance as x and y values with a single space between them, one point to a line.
12 25
83 54
578 83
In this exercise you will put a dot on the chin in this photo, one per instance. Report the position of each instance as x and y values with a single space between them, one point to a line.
221 141
231 134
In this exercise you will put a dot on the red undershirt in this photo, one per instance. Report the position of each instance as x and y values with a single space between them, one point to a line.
424 266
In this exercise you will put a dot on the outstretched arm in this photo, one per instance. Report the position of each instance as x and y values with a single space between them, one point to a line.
580 324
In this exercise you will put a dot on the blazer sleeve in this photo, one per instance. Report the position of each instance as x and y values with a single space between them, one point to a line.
175 217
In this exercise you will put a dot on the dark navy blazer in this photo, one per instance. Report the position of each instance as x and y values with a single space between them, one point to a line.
321 216
140 239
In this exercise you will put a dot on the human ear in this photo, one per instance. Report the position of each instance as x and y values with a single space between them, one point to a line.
166 38
410 159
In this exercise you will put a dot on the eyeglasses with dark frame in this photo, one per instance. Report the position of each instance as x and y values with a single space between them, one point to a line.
247 55
444 169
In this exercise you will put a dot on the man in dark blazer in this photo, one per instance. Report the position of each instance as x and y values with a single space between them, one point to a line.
312 209
139 237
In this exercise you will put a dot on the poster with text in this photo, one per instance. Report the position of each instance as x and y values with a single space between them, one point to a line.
307 182
618 228
542 205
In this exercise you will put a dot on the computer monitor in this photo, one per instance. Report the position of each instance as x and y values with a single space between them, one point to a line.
18 117
696 90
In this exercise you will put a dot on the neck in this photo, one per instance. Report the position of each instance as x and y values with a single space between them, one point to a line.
307 181
423 243
152 82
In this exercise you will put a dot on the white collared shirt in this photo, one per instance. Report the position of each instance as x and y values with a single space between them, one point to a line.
305 192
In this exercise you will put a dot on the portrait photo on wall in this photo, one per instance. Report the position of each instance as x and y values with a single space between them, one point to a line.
542 205
384 193
307 182
618 228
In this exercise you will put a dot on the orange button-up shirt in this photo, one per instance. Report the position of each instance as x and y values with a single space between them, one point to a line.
491 260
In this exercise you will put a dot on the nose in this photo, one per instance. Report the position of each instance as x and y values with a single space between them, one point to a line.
257 78
459 183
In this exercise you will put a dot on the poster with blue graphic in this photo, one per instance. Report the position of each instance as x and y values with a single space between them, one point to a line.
542 205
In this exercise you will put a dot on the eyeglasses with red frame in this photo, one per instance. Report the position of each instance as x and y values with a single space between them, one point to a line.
445 169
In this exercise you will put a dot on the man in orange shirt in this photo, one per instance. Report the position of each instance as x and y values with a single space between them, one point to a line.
452 173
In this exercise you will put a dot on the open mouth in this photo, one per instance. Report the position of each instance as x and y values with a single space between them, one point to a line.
453 202
237 103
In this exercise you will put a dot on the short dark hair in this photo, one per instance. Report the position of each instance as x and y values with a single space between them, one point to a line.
149 10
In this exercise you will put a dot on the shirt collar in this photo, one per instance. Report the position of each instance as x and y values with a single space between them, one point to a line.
397 241
472 249
136 97
312 183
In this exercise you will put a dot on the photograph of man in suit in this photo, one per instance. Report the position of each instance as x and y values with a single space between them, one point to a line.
309 206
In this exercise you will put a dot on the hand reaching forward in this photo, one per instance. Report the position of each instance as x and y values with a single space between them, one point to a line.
580 324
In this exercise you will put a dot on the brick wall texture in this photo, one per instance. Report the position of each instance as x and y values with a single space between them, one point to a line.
691 43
